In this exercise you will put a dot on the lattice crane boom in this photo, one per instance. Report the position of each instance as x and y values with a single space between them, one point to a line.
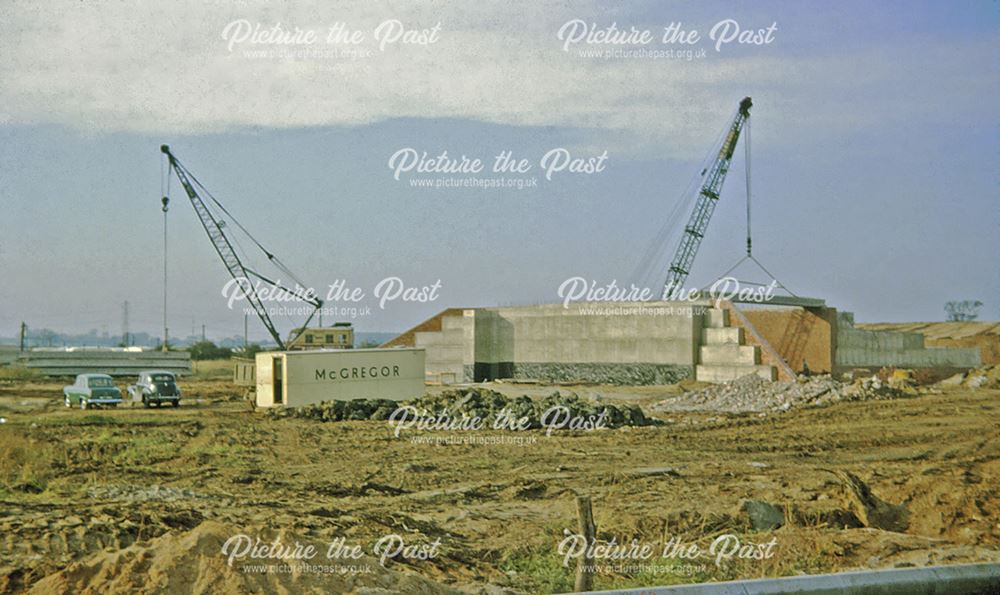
224 248
708 196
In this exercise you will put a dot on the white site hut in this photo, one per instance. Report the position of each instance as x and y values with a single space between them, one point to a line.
295 378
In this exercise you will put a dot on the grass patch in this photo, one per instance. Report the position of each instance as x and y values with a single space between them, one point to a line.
104 420
541 570
213 369
25 464
85 420
662 572
145 450
537 571
218 454
120 446
19 374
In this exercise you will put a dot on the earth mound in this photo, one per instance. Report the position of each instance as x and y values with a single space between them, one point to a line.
193 562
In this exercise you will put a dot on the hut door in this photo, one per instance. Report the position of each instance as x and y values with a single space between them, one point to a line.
278 381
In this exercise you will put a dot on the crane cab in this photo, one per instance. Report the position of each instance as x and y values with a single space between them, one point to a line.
338 336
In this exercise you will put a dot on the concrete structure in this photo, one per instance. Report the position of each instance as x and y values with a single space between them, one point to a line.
657 343
977 334
244 372
857 348
724 354
630 343
295 378
617 343
105 361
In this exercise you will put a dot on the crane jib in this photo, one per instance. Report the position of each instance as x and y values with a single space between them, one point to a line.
224 248
708 196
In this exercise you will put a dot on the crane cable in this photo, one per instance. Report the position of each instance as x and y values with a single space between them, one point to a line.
746 147
165 178
270 256
652 259
750 256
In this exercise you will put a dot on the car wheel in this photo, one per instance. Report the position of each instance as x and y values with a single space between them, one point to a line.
83 403
66 401
177 403
145 402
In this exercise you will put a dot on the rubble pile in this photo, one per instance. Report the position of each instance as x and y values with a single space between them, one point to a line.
357 409
472 402
616 416
984 377
754 394
486 404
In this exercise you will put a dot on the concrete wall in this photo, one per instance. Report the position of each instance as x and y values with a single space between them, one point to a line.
450 350
857 348
340 375
977 334
634 343
431 325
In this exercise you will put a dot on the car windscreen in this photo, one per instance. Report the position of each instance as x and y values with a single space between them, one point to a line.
100 382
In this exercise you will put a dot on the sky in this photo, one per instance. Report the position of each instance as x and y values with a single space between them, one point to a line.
875 146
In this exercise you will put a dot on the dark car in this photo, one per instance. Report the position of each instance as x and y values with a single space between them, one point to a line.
156 387
92 389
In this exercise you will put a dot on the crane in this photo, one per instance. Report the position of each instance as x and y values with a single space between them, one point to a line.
708 196
240 273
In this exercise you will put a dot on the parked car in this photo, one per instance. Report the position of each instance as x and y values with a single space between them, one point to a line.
92 389
155 387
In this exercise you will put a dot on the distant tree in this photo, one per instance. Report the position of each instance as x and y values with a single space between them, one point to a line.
207 350
368 344
962 311
249 351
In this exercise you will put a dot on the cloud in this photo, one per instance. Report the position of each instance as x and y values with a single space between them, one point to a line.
106 66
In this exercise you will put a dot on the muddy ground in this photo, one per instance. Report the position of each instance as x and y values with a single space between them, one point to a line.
117 499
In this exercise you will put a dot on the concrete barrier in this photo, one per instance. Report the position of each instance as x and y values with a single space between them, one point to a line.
858 348
959 579
115 363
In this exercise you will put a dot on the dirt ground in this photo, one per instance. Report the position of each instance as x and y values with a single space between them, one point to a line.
115 500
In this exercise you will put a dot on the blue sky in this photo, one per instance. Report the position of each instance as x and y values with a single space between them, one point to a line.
875 154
